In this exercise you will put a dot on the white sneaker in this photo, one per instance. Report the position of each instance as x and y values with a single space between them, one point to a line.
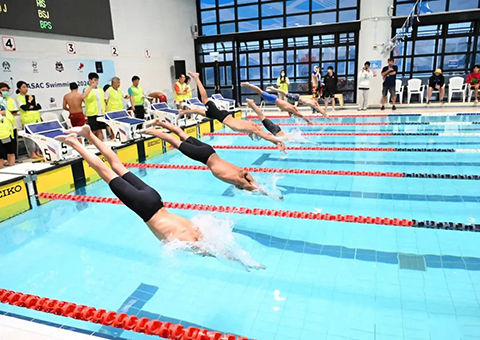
359 109
476 101
333 110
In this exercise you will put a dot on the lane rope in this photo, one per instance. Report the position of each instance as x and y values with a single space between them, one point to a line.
387 134
445 114
280 213
378 124
309 171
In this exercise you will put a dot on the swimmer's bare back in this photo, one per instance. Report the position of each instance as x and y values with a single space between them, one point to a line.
168 227
74 101
231 174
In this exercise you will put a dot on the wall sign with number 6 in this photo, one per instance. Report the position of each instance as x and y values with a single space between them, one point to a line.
9 44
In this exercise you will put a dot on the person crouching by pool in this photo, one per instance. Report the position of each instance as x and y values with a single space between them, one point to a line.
436 83
474 80
142 199
29 114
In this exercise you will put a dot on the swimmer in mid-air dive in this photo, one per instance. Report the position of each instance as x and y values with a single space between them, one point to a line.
282 104
305 100
141 198
211 111
204 153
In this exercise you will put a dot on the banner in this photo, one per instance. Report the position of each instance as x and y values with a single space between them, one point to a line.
49 79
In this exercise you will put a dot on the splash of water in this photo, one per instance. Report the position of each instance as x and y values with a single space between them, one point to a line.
295 136
271 189
217 241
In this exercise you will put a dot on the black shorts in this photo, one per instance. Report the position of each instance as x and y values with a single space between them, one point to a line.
388 89
137 195
328 93
213 112
293 98
270 126
139 111
196 150
8 148
94 125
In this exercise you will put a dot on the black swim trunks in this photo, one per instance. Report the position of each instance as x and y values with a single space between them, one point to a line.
293 98
213 112
196 150
138 196
94 124
270 126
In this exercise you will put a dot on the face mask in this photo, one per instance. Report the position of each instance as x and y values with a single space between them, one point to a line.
5 94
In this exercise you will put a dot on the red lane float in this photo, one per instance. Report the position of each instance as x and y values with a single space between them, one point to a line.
320 117
306 134
272 170
166 330
245 211
300 148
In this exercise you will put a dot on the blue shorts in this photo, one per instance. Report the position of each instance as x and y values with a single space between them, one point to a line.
269 98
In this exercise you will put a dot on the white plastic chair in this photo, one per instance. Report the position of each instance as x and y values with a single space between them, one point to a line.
415 87
48 116
398 91
66 118
456 85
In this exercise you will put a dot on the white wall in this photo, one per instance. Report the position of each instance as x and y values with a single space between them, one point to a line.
162 26
376 28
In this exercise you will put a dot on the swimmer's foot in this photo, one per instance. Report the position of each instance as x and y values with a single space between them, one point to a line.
70 139
250 102
84 131
194 75
245 84
271 89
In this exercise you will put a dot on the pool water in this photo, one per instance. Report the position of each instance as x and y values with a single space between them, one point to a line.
323 280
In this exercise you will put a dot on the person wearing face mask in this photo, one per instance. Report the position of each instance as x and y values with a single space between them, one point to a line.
11 112
283 83
364 86
29 114
7 145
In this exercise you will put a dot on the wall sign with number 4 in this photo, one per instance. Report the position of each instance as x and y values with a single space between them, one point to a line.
115 51
9 44
71 48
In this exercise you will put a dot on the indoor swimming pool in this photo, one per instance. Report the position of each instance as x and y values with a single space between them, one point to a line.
323 279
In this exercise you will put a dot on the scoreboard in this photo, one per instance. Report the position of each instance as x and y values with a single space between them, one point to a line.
82 18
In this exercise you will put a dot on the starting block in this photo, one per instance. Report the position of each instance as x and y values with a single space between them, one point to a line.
124 127
162 110
195 103
43 134
223 103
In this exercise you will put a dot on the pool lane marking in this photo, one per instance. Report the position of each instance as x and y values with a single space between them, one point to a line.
379 124
280 213
373 115
384 134
309 171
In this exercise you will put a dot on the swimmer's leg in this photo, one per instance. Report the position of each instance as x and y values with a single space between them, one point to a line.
201 88
182 113
172 128
256 109
167 137
93 160
254 88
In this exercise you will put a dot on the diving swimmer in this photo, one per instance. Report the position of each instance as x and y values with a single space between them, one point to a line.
138 196
305 100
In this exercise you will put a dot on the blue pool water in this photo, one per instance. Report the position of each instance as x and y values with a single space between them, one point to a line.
323 280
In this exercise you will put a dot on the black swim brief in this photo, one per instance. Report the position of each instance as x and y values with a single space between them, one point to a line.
196 150
138 196
213 112
270 126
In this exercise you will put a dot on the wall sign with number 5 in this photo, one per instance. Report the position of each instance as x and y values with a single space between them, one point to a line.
115 51
9 44
71 48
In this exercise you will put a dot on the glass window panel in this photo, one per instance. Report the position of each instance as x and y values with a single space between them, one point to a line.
398 51
342 52
399 62
227 28
247 12
430 30
315 54
243 59
228 56
423 63
254 72
345 16
266 58
298 6
328 53
453 62
460 28
253 59
240 2
277 43
403 9
266 72
457 5
276 71
227 14
322 5
328 39
459 44
209 76
272 9
209 30
224 46
290 56
301 41
347 3
207 4
290 69
247 26
477 60
341 68
352 67
207 48
268 24
303 70
303 56
409 47
278 57
324 18
253 45
424 47
408 64
243 74
351 52
225 3
209 17
297 20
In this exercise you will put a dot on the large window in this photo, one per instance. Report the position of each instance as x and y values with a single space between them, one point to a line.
229 16
453 47
261 62
404 7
